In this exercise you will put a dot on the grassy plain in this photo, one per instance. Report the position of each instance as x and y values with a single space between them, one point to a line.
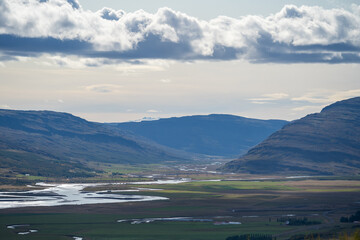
256 204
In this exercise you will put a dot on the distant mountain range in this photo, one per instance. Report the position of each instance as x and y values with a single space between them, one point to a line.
322 143
50 143
216 135
53 143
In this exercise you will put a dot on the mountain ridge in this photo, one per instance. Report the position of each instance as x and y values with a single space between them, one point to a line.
221 135
54 138
49 143
320 143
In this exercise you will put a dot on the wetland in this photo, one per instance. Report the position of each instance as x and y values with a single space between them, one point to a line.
191 206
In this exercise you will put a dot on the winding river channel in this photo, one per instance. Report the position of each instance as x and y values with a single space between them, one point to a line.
67 194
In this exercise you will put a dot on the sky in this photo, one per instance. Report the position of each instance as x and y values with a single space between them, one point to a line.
114 61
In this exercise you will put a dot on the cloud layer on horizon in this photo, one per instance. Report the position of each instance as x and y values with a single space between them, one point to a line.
306 34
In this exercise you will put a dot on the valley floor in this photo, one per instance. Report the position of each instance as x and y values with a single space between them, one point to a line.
213 210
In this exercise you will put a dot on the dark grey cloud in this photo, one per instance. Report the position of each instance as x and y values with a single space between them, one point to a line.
267 50
294 35
16 44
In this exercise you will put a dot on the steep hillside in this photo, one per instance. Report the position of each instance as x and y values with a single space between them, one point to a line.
322 143
216 134
48 143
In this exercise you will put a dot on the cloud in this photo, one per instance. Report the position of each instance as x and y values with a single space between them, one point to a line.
276 96
258 102
266 98
152 111
165 80
293 35
326 97
76 63
128 68
103 88
124 66
110 14
308 108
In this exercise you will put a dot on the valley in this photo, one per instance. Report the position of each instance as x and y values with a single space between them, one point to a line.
194 206
214 206
63 177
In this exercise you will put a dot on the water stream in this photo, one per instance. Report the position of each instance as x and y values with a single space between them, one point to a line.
66 194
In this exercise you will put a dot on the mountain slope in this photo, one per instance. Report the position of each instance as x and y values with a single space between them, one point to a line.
216 134
322 143
61 141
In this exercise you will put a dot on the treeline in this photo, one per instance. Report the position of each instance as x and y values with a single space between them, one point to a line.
352 218
297 221
252 237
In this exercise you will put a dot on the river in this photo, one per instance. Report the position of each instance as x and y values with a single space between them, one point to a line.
66 194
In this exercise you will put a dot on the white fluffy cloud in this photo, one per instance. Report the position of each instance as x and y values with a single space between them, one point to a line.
62 27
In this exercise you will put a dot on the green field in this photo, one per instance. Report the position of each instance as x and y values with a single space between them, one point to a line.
98 226
256 204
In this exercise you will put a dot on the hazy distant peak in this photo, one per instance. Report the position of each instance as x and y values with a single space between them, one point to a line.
144 119
214 134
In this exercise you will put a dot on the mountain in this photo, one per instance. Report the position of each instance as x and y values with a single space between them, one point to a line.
322 143
51 143
215 135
